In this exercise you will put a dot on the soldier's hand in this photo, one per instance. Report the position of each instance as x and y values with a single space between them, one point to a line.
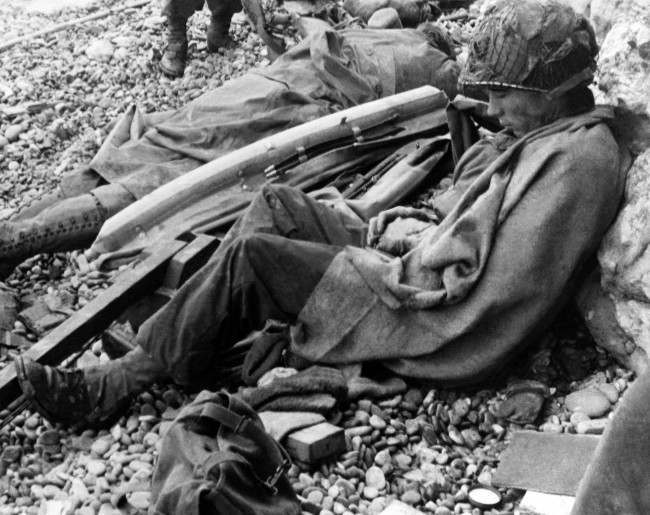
378 224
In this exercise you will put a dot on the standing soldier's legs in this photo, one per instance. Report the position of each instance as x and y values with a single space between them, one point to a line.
177 13
221 14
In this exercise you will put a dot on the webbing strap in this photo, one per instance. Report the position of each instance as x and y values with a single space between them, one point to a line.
223 416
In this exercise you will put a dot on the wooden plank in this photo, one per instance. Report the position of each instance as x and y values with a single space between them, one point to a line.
316 443
545 462
538 503
93 318
188 260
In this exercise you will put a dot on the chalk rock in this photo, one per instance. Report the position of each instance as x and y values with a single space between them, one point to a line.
591 402
385 18
624 258
100 50
623 63
616 307
603 14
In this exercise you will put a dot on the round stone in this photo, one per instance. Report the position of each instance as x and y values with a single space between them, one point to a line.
370 493
578 417
32 422
377 422
11 453
609 390
591 402
411 497
375 478
139 500
382 457
96 467
101 445
315 497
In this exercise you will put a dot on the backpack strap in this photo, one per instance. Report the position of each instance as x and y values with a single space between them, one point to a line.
244 425
223 416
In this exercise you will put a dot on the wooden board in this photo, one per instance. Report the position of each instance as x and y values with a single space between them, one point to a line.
316 443
93 318
545 462
537 503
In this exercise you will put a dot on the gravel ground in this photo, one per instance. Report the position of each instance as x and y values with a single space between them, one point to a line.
425 447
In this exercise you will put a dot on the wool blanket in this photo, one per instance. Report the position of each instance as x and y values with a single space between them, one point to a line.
520 221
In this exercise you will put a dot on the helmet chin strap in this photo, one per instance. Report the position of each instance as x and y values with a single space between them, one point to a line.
586 75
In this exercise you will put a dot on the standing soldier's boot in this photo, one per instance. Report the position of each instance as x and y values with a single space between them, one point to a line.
221 14
175 55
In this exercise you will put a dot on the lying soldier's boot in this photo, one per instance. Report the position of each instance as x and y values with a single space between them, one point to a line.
67 225
58 395
217 35
92 396
174 57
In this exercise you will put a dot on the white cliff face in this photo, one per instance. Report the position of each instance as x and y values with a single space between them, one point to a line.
623 31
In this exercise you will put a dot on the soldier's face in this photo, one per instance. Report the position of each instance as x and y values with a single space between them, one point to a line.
519 111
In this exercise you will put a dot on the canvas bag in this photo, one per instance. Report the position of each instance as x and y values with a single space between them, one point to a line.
216 458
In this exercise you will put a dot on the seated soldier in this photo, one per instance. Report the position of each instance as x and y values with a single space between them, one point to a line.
480 273
327 72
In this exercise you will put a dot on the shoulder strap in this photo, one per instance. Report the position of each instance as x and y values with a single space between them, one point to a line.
223 416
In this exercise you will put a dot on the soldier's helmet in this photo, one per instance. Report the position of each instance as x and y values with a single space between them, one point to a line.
534 45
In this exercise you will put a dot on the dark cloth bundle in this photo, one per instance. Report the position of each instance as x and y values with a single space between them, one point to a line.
316 389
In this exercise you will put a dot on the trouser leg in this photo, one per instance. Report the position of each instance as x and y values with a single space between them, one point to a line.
266 267
111 385
291 213
221 12
180 9
78 182
259 276
177 12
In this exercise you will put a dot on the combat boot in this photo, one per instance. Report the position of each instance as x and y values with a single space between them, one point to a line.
92 396
174 57
69 224
220 16
58 395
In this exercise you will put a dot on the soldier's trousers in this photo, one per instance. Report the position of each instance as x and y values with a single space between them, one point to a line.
266 268
183 9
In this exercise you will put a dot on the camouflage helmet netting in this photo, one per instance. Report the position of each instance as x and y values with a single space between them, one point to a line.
530 44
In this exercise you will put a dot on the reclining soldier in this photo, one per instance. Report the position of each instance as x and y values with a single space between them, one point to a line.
328 72
476 276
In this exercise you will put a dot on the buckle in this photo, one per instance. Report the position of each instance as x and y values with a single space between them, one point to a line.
277 474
